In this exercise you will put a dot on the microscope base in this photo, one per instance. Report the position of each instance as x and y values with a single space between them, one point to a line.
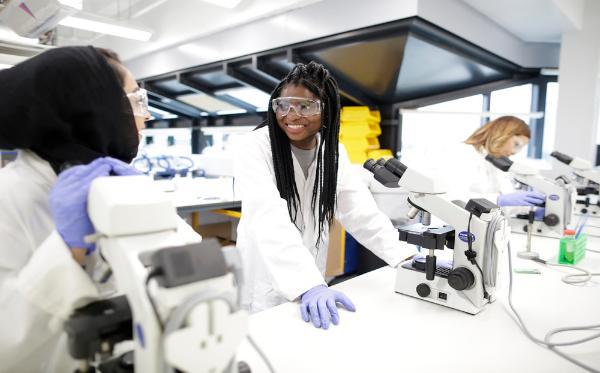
413 283
528 255
593 211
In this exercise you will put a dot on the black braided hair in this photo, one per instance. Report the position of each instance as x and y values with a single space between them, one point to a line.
316 79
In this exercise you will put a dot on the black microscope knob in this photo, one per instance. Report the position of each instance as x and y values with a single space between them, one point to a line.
551 220
423 290
461 278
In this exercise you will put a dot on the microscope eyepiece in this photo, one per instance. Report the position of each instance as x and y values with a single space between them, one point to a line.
396 167
501 163
370 165
385 177
562 157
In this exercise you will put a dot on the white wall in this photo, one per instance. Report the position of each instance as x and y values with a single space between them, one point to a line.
579 91
466 22
335 16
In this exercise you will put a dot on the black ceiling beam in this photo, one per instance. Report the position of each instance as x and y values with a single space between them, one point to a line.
450 41
166 101
194 85
275 63
265 63
460 93
247 72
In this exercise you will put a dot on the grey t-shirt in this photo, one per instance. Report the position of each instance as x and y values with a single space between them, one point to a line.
304 157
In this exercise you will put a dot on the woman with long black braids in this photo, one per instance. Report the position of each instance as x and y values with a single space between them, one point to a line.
294 178
75 108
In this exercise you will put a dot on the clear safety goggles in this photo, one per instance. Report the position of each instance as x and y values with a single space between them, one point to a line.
303 107
139 102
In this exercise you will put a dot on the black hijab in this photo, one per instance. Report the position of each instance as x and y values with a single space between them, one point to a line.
68 107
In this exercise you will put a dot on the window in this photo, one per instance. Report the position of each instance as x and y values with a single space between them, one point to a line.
550 119
432 135
511 101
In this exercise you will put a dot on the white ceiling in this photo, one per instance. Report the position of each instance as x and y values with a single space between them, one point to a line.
179 22
173 22
538 21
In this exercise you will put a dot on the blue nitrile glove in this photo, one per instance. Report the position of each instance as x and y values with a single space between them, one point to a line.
319 304
539 213
68 198
529 198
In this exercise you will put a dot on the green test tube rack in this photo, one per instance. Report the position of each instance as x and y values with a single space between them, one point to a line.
572 249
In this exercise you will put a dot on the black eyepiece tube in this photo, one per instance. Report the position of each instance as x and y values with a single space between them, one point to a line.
395 166
562 157
502 163
385 177
370 165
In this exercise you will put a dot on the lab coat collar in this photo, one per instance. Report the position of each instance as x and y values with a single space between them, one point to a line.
41 167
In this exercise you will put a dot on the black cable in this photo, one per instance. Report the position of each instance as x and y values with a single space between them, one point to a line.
154 273
471 255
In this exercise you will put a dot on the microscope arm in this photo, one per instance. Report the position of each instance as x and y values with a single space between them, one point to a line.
580 167
539 184
184 312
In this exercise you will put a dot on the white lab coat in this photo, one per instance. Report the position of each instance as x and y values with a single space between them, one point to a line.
470 175
40 283
477 175
281 262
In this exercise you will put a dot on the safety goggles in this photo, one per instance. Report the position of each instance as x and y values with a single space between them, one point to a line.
139 102
303 107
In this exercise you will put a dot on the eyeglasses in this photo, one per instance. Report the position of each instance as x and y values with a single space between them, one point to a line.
303 107
139 102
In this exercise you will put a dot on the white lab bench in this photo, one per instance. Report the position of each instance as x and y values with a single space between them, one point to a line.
200 194
392 332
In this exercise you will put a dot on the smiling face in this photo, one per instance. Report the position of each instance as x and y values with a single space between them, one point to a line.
301 130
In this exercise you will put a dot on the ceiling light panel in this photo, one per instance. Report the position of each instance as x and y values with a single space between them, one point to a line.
206 102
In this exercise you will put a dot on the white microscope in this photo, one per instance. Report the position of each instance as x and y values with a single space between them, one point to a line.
560 195
180 301
587 181
476 231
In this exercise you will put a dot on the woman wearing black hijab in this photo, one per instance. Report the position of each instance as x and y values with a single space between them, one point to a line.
74 106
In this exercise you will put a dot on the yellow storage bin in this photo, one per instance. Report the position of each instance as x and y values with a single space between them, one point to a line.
359 113
362 129
380 153
357 156
365 143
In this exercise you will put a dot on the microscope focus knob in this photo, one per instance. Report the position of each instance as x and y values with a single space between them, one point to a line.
551 220
461 278
423 290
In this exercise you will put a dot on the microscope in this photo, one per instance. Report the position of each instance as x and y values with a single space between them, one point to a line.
587 181
177 304
476 231
560 195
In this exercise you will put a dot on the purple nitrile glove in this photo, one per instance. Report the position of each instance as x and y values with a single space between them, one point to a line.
68 198
539 213
529 198
319 305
